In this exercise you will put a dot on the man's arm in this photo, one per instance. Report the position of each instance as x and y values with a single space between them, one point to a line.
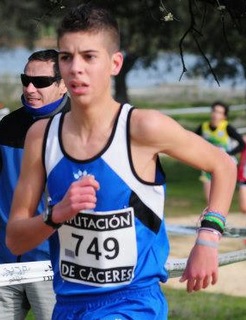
24 230
163 134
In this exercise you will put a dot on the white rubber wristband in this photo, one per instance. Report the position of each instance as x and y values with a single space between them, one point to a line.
206 243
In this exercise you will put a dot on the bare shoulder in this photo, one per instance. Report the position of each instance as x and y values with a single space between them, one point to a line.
152 124
34 140
37 130
144 114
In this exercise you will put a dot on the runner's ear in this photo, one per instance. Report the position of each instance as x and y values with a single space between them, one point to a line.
117 62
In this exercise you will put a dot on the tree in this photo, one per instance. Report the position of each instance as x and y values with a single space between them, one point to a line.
140 22
22 22
214 32
147 27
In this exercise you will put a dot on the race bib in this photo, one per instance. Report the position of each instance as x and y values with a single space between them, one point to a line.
99 248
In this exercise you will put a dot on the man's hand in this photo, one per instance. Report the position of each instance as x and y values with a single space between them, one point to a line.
81 195
201 269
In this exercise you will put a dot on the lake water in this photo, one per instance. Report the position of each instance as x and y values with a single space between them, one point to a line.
12 62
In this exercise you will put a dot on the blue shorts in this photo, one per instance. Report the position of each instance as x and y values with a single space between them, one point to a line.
147 303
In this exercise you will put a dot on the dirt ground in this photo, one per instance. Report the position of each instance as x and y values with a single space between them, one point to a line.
232 278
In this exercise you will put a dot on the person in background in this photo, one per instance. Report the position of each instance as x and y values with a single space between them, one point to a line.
242 178
107 188
44 95
221 134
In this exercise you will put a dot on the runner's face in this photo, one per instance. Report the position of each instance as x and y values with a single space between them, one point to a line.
38 97
217 115
86 65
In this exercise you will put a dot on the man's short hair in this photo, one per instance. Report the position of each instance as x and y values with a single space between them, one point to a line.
47 55
90 18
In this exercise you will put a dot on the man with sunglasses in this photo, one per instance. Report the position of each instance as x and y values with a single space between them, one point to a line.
44 95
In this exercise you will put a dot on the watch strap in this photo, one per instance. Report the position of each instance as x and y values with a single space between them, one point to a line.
47 218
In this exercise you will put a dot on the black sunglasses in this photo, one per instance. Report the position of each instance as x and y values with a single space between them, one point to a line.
38 82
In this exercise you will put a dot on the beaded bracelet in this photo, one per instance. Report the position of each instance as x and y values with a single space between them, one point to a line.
206 243
211 230
216 215
214 212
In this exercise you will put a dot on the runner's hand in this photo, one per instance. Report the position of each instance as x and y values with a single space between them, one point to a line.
201 269
81 195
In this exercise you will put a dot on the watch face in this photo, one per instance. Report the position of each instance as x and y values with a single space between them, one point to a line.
47 215
47 218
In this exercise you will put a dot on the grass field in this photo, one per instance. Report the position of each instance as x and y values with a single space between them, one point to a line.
184 190
204 306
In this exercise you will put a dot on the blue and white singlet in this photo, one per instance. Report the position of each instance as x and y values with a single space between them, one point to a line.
123 242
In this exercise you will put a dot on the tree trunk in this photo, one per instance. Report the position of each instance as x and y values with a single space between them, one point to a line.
120 88
120 85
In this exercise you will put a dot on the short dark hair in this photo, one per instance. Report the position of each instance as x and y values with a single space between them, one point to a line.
47 55
90 18
223 105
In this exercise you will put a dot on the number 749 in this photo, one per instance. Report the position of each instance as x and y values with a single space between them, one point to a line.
110 245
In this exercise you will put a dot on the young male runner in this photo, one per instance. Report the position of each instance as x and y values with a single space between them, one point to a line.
107 188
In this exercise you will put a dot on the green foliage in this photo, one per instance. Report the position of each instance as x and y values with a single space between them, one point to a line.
30 316
204 306
214 31
19 22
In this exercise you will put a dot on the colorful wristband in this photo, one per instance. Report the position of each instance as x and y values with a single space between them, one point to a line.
215 220
212 225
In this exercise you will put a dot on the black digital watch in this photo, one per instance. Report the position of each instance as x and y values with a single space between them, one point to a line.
47 218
